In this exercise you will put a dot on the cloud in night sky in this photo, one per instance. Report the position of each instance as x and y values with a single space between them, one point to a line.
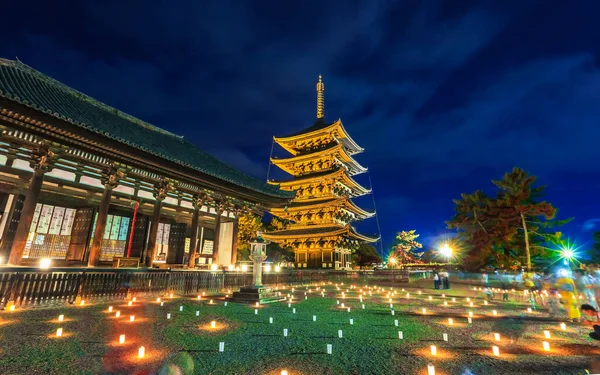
443 95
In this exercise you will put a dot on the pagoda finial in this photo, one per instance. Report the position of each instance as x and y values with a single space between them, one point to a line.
320 98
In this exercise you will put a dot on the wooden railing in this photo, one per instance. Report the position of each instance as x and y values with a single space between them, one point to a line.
31 286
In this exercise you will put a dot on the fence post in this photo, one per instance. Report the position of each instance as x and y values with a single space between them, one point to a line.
14 290
79 287
168 286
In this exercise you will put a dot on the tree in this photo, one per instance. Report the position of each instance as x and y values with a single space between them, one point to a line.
593 254
406 244
248 225
366 255
496 231
518 200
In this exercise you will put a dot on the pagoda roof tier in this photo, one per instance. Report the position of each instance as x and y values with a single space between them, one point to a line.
343 202
294 143
318 231
335 151
336 175
24 85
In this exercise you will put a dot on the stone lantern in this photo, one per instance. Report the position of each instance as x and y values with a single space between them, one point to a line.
258 253
257 292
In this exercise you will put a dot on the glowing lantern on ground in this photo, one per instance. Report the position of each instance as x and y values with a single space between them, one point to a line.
547 334
61 318
546 346
122 339
141 352
433 349
496 351
213 324
59 332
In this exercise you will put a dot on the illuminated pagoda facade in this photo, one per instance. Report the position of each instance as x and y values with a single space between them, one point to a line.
322 164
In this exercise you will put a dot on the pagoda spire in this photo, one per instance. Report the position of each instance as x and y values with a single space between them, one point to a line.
320 98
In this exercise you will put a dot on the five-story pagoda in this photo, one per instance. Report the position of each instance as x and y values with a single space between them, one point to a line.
322 164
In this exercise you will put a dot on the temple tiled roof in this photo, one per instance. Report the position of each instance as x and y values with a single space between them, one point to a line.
22 84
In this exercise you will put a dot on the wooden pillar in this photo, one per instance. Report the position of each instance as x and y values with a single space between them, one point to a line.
216 240
234 242
31 198
153 232
160 193
110 180
194 238
94 257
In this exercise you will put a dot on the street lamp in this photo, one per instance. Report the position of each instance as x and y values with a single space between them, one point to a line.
446 251
392 261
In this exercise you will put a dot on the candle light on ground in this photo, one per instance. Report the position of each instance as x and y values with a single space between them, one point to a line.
131 318
122 339
497 336
82 303
340 334
314 318
130 303
213 324
433 349
117 314
445 303
59 332
158 300
430 369
61 318
470 314
329 348
485 302
430 298
221 347
496 351
424 311
546 346
529 309
171 295
445 337
168 315
547 334
450 321
110 309
12 308
563 326
284 372
400 335
210 302
494 312
471 304
141 352
453 299
470 320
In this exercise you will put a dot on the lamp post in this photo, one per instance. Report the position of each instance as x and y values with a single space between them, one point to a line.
446 251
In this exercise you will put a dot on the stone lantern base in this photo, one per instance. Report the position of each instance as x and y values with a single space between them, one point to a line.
253 294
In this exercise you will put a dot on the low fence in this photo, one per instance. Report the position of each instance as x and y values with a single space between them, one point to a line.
31 286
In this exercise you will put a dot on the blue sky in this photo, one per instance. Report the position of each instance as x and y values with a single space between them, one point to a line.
443 95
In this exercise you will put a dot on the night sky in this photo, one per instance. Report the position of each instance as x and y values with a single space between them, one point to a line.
443 95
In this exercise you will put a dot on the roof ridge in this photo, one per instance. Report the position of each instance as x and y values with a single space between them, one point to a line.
18 64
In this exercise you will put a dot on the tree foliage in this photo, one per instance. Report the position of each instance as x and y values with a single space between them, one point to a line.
248 225
406 244
366 255
509 229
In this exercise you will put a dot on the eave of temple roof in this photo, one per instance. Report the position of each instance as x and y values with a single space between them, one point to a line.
24 85
337 149
318 231
319 128
346 202
340 172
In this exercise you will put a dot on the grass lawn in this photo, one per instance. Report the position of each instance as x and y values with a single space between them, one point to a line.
186 343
